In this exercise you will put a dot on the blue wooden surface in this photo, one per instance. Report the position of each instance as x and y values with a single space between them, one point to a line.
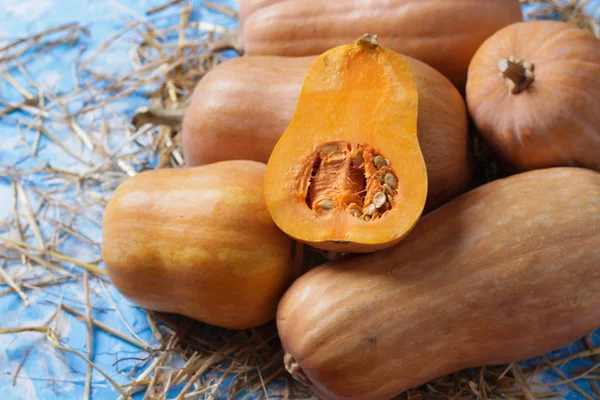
48 373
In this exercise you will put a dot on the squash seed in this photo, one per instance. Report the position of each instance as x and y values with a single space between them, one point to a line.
387 162
336 156
388 189
326 204
369 210
391 181
356 212
357 161
390 199
330 149
379 199
379 162
332 152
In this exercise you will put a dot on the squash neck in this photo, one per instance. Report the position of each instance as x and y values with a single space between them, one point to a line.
517 73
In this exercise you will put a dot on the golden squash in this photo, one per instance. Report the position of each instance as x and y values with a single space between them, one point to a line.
443 33
198 242
348 174
506 272
240 109
534 94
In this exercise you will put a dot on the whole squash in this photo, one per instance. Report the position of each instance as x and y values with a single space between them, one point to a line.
198 242
443 33
506 272
534 94
240 109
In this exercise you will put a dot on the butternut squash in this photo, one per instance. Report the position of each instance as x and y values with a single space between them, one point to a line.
534 94
198 242
247 7
443 33
506 272
240 109
348 174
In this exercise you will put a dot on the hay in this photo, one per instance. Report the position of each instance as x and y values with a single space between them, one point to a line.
187 359
577 12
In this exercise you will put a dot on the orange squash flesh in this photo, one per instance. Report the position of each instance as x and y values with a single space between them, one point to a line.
324 176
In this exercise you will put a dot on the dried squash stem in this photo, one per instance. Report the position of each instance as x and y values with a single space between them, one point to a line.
518 73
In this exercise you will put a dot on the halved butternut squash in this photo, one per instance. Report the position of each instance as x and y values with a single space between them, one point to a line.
348 174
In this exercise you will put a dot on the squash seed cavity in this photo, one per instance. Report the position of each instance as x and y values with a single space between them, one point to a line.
340 176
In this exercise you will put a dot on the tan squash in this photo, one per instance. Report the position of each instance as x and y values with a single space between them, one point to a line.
198 242
247 7
241 108
534 94
506 272
443 33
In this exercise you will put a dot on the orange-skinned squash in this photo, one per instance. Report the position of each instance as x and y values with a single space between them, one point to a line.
506 272
534 94
443 33
198 242
348 174
247 7
240 109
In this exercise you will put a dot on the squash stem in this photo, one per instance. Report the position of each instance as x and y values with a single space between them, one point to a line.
368 40
518 73
291 365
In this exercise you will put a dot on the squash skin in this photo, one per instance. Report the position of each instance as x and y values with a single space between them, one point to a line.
198 242
508 271
240 109
555 121
247 7
252 100
443 33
